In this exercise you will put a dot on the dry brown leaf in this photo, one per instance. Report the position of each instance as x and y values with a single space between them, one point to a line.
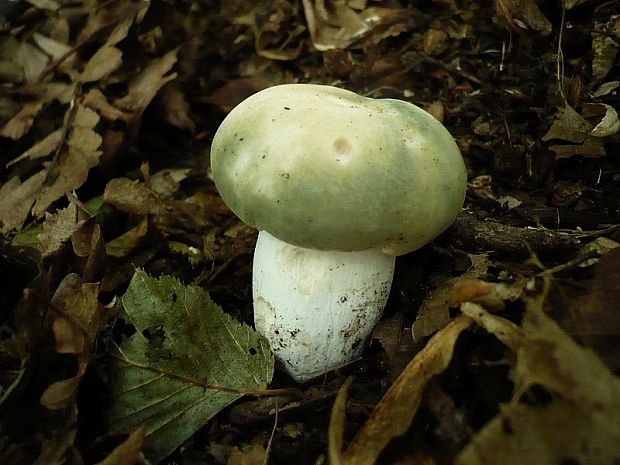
126 243
581 422
506 331
17 199
51 47
76 318
131 196
604 46
144 87
596 314
104 62
545 435
522 15
591 148
42 148
129 452
568 4
11 72
74 162
396 341
176 107
21 123
233 92
340 25
32 60
45 4
96 100
81 318
549 357
337 419
434 312
254 454
108 58
435 41
61 394
393 414
570 126
58 448
167 181
58 228
609 123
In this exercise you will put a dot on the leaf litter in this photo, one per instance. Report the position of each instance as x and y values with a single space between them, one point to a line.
106 114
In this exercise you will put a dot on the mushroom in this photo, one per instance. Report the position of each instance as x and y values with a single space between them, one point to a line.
338 185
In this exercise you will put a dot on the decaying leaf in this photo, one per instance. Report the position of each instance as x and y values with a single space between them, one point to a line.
21 123
434 312
187 360
17 199
42 148
80 154
166 182
338 24
131 196
522 15
604 46
58 228
144 87
580 424
393 414
609 123
570 126
591 315
108 58
176 107
129 452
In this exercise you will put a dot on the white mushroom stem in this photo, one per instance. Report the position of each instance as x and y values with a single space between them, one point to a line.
317 308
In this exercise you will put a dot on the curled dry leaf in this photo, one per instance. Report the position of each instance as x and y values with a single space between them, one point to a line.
609 123
393 414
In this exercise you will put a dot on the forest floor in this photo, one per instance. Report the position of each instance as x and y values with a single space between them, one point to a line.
500 340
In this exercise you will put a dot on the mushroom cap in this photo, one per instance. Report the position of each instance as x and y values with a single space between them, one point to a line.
325 168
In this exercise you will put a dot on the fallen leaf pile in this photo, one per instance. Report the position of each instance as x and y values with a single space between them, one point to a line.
126 327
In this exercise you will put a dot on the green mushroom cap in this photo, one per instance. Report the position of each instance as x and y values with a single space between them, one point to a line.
324 168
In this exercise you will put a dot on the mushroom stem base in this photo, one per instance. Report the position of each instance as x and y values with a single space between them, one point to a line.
317 308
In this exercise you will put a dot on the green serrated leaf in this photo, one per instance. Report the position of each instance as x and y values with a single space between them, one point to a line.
186 362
